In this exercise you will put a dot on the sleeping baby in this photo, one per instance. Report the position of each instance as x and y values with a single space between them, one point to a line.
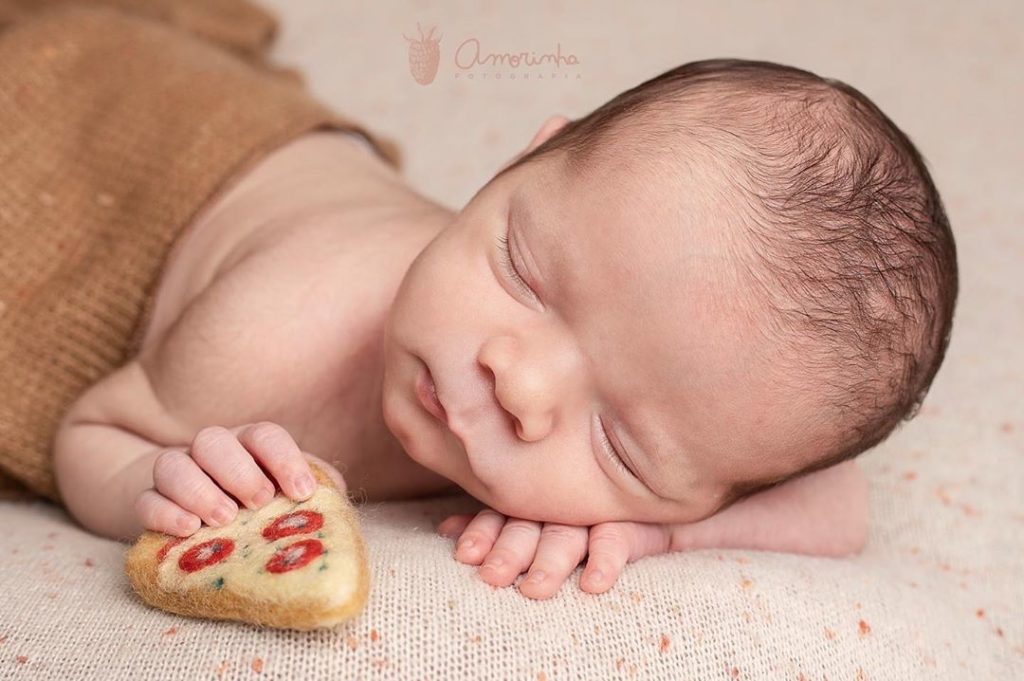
670 324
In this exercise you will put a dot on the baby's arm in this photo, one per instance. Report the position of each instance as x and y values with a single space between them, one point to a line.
117 483
823 513
95 445
130 453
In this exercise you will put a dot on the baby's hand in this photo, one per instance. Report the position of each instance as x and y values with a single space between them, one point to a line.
193 484
550 551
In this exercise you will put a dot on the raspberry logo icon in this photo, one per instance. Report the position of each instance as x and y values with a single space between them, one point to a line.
424 56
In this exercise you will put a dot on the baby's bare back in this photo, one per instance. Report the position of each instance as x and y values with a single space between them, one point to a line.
272 308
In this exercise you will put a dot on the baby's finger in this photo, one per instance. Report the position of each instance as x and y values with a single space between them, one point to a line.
559 552
614 544
223 458
512 552
179 478
160 514
479 536
454 525
274 447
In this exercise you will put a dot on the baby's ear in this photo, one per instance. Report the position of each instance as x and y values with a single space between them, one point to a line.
550 127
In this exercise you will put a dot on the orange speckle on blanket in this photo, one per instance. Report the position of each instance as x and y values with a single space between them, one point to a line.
257 665
969 510
618 663
664 643
857 605
999 632
374 635
3 639
861 676
914 550
746 583
636 596
171 631
52 535
89 563
1006 427
541 676
734 673
742 560
352 642
863 628
221 668
980 613
22 659
943 495
802 677
910 475
830 634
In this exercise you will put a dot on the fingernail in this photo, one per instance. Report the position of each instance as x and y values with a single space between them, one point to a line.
494 563
466 545
222 515
263 497
304 485
536 577
596 577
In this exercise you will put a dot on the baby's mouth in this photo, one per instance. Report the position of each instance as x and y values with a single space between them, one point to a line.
426 391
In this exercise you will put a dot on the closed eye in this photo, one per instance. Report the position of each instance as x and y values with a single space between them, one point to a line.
510 269
613 456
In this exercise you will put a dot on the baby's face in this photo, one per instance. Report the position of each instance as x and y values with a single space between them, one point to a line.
631 320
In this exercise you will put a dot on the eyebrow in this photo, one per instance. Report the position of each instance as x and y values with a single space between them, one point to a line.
521 215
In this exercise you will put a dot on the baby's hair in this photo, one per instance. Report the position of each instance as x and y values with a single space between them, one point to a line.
847 241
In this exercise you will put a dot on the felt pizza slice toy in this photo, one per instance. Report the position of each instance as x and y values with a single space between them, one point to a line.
289 565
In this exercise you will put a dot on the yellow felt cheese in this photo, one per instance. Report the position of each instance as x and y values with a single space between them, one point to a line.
290 565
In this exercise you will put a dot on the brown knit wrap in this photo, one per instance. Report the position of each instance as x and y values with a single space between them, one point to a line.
118 121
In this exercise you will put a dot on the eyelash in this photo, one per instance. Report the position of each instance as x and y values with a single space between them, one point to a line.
613 455
506 261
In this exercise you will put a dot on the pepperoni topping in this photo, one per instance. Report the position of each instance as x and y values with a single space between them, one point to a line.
299 522
295 555
206 554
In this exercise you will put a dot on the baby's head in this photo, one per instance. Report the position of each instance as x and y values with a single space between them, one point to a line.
740 271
